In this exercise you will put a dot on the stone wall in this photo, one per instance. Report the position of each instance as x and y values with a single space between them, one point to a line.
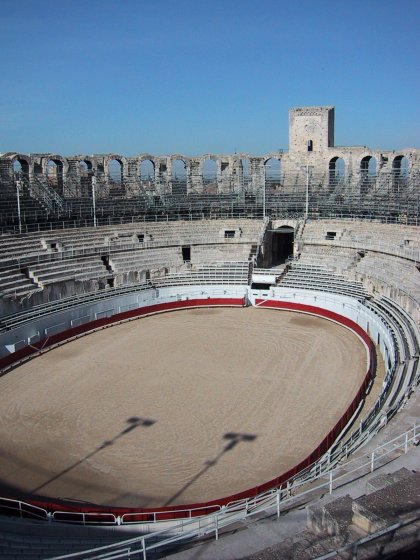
311 151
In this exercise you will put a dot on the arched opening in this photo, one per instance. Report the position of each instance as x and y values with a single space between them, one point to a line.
115 177
337 170
272 175
85 171
282 244
367 173
115 171
179 177
400 167
147 174
54 175
210 176
20 165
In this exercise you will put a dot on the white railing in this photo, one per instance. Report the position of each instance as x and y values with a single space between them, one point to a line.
276 500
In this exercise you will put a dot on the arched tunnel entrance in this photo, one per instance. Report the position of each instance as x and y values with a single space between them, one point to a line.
277 246
282 244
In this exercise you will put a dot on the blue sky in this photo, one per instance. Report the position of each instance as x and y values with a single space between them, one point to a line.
199 76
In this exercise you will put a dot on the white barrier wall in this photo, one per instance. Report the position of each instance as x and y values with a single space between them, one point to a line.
39 328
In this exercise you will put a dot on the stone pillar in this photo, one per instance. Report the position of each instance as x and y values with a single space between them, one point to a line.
6 175
131 177
224 175
195 176
163 171
72 186
102 186
256 175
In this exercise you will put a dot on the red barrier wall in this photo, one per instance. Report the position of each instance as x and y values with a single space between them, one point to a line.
173 512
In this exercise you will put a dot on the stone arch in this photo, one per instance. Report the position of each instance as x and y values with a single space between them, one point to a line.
400 171
85 168
115 168
272 174
21 164
147 170
336 171
368 165
401 165
282 244
178 175
54 171
368 170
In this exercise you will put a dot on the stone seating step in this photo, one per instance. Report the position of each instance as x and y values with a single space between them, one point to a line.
333 518
374 511
386 479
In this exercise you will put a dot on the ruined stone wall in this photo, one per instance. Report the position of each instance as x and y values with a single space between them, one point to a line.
311 148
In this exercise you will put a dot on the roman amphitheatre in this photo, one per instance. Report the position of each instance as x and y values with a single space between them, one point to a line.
188 344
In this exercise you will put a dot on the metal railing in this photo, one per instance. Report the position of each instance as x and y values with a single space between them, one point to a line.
276 500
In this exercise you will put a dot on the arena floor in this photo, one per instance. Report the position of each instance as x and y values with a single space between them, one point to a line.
176 408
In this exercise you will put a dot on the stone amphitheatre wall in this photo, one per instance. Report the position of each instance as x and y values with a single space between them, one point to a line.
311 150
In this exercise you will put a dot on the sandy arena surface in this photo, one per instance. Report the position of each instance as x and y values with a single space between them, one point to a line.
176 408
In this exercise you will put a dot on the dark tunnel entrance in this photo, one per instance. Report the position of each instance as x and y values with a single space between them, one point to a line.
282 244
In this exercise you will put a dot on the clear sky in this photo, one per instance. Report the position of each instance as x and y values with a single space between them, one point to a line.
199 76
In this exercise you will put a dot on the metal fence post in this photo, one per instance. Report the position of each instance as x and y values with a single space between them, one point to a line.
372 461
216 527
406 443
278 502
331 481
143 545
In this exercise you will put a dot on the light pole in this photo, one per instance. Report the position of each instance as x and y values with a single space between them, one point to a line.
307 168
265 180
18 204
94 199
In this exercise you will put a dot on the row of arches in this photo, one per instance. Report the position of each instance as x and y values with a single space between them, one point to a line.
208 174
147 171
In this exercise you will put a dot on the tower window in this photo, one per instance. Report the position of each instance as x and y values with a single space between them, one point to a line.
310 146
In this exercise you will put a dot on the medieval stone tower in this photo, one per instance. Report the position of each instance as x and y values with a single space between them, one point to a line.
311 129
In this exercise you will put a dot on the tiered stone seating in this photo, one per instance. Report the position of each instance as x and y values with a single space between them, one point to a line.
391 270
124 255
16 247
216 273
398 239
405 337
334 258
14 283
68 269
335 527
220 252
318 277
